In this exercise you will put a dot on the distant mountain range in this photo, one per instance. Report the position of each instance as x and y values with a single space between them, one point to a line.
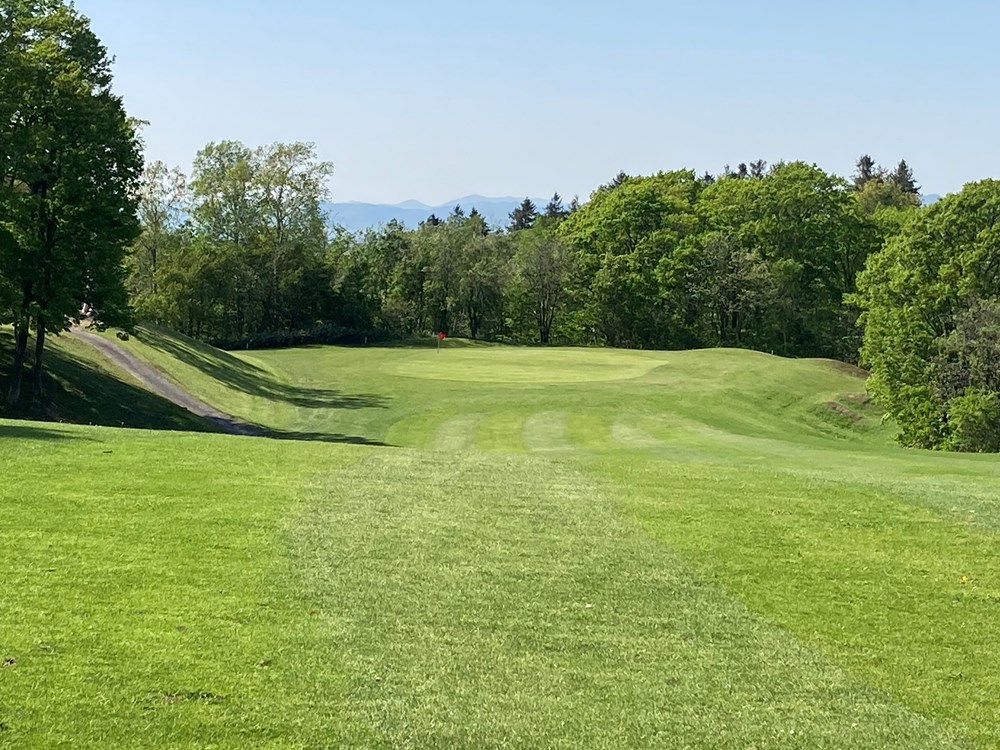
357 217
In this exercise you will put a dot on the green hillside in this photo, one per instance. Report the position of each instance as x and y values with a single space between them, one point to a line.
82 388
490 397
539 548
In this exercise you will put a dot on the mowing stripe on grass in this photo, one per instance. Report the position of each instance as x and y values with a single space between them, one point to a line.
632 436
457 433
587 431
501 431
546 431
487 600
899 594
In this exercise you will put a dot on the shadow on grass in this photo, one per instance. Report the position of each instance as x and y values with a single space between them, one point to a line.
323 437
78 392
236 426
250 379
29 432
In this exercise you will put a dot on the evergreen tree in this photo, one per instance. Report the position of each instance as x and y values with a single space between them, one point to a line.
523 217
555 209
867 170
620 179
477 222
903 177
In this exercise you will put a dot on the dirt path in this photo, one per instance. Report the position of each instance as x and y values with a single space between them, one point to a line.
155 381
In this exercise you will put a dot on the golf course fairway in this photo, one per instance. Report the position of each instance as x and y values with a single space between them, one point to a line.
498 547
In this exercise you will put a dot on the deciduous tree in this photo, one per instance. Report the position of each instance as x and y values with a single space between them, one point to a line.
931 312
71 161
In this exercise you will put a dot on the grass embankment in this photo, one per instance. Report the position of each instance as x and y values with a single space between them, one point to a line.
568 549
82 388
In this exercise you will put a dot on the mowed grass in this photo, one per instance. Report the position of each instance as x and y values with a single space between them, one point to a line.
712 549
146 599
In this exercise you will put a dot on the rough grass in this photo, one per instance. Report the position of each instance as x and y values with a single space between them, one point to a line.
701 553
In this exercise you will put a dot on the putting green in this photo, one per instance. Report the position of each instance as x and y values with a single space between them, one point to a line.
535 366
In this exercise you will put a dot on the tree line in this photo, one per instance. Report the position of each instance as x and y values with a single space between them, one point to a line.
758 257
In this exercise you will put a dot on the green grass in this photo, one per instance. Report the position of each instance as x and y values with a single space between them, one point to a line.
556 548
82 388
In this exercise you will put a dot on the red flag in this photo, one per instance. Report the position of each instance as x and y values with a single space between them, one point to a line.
442 336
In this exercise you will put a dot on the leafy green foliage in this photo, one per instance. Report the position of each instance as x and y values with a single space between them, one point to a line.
69 163
932 321
252 257
763 258
628 239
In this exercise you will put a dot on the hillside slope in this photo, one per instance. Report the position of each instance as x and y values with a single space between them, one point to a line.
411 396
82 387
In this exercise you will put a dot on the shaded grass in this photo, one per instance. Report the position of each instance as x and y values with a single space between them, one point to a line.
81 387
222 372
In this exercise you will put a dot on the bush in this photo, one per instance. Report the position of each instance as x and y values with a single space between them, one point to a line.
974 422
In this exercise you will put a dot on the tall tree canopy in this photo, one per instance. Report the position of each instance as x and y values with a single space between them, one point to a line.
256 229
69 164
629 241
931 311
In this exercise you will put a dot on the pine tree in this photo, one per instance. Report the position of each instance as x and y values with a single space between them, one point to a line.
478 222
867 170
523 217
620 179
555 209
903 177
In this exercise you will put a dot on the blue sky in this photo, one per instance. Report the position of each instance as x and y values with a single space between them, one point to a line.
436 100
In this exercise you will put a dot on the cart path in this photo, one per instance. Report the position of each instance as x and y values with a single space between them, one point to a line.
158 383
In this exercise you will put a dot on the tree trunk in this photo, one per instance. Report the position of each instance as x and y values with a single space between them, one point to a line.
36 371
21 348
